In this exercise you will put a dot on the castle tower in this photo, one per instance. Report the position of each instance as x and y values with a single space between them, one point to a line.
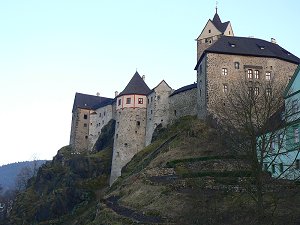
130 130
212 31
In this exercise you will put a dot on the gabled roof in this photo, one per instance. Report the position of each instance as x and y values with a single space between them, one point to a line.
163 81
136 86
184 88
218 23
249 47
286 91
85 101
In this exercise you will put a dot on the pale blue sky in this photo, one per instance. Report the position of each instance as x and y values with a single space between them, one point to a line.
51 49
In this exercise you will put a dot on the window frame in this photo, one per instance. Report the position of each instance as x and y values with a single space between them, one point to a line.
224 71
140 101
256 74
250 74
268 75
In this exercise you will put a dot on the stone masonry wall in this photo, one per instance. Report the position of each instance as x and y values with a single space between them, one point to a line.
183 104
157 110
98 119
129 138
211 80
80 130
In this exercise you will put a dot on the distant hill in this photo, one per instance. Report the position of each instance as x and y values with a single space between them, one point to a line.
9 172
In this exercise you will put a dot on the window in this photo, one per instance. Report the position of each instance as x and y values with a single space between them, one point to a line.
209 31
104 113
148 100
128 100
140 100
85 116
256 74
151 99
236 65
119 102
249 74
256 90
268 75
151 111
296 135
250 90
158 97
224 72
297 164
138 123
100 115
85 125
86 137
175 112
295 106
273 168
225 88
280 167
268 91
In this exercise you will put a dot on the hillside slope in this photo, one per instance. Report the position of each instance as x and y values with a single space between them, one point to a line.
186 176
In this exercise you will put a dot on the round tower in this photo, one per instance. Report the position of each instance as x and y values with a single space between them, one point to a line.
130 129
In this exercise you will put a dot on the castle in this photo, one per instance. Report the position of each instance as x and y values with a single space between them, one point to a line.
222 60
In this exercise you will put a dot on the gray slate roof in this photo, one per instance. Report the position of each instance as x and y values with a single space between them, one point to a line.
136 86
218 24
249 47
85 101
184 88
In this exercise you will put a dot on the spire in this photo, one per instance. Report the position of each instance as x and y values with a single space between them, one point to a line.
216 7
136 86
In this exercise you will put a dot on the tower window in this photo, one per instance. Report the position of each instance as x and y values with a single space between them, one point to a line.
140 100
175 112
119 102
128 100
256 74
225 88
297 164
236 65
273 168
256 90
224 71
249 74
209 31
85 125
268 91
138 123
85 116
268 75
280 167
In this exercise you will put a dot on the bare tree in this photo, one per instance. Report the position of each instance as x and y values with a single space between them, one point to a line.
251 118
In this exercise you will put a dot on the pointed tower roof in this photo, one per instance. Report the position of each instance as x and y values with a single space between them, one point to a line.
136 86
218 23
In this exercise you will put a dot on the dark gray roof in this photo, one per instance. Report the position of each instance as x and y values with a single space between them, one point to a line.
218 24
136 86
184 88
85 101
249 47
106 102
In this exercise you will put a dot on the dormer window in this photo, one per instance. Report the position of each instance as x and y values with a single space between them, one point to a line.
209 31
231 44
261 47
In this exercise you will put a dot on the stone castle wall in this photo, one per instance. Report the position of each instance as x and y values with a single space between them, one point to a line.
211 81
80 130
98 119
157 110
129 138
183 104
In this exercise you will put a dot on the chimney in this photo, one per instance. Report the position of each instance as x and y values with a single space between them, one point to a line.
98 94
143 77
116 93
273 40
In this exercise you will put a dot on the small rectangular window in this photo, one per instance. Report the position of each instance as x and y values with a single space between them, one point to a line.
128 100
225 88
138 123
236 65
268 75
268 91
256 90
85 116
224 71
85 125
119 102
249 74
296 135
140 100
273 168
280 167
256 74
297 164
